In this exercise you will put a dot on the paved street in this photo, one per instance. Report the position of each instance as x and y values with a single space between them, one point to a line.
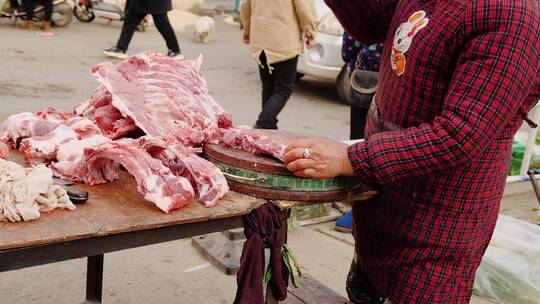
54 71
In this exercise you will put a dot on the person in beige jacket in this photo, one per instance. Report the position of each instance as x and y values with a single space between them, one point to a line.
275 30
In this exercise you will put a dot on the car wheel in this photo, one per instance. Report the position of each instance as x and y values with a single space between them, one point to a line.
299 76
344 85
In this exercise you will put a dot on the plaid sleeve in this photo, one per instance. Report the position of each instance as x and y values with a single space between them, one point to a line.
496 72
366 20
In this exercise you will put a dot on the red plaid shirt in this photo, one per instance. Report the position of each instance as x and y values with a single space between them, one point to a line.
469 76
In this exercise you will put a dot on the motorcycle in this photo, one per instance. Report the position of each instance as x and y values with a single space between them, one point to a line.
61 16
87 10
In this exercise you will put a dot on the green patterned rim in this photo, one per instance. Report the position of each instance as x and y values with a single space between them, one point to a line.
284 182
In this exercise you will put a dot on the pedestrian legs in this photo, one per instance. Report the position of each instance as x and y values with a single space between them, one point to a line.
283 76
165 29
267 80
128 28
28 6
47 9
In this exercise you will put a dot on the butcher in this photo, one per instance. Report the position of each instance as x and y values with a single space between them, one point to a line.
457 79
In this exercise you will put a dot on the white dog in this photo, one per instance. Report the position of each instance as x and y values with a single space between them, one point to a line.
204 29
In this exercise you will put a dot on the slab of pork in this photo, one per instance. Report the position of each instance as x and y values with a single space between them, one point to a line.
100 110
69 157
99 163
80 124
205 177
42 149
258 141
24 125
54 115
163 96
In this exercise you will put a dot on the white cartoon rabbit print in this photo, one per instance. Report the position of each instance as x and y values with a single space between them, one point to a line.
403 39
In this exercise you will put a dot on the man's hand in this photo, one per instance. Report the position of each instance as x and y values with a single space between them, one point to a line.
245 37
318 158
310 42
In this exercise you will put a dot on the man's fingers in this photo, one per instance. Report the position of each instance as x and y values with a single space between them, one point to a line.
301 164
310 43
300 143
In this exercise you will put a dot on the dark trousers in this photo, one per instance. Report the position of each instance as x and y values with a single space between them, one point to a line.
360 289
162 23
277 87
14 3
358 122
29 6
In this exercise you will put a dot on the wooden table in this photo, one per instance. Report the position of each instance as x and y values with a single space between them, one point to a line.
116 217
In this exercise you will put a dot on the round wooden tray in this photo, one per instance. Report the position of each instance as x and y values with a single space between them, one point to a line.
266 177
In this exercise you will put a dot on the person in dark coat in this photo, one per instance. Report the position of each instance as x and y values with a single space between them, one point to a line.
29 6
13 4
136 10
150 6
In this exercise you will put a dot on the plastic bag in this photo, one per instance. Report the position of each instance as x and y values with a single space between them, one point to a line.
510 269
518 151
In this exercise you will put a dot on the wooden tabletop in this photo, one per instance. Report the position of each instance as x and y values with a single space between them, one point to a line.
114 208
117 208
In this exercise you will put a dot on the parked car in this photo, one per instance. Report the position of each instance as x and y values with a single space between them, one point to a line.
324 59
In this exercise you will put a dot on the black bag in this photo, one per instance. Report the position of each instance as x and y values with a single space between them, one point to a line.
363 88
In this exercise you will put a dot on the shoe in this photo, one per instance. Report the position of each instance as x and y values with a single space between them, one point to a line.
175 55
344 223
115 52
265 127
28 25
46 26
256 126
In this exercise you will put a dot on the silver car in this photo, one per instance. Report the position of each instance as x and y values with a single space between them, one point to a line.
324 59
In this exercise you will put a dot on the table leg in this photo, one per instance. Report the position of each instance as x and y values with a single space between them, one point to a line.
94 279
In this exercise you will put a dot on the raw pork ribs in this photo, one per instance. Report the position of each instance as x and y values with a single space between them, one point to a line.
267 142
154 179
150 95
159 95
204 176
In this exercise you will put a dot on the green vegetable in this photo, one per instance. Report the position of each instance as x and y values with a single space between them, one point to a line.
290 262
267 274
288 256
